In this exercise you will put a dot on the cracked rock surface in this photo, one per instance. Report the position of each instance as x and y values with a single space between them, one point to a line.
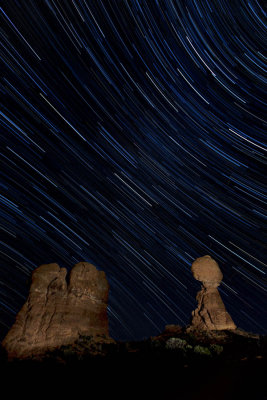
58 310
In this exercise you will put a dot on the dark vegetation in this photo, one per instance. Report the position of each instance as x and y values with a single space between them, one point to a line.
225 365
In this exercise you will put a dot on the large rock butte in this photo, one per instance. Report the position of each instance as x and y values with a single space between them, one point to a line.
210 313
59 310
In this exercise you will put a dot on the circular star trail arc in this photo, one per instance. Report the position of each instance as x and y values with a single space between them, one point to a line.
133 138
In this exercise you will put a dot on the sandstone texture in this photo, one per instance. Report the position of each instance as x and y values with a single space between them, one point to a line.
59 310
210 313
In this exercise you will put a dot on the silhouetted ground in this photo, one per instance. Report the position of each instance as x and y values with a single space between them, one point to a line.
176 364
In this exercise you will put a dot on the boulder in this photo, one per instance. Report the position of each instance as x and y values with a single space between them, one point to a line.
210 313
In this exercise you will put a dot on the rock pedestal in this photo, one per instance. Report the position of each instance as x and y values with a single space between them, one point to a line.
57 312
210 313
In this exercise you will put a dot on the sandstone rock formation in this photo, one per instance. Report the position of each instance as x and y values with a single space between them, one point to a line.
210 313
57 311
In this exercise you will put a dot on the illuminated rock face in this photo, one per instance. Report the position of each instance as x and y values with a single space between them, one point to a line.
57 312
210 313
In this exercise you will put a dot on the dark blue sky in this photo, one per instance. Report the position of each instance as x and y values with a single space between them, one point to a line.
133 138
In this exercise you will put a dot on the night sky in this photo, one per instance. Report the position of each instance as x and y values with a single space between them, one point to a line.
132 137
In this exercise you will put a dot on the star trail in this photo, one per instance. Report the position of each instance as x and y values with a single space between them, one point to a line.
133 137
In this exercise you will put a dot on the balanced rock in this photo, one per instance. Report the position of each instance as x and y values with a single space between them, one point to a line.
210 313
58 311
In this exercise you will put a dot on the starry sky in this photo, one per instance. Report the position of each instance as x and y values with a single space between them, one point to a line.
132 137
